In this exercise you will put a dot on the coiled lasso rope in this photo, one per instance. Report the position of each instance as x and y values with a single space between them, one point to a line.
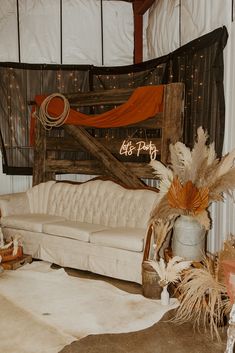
46 119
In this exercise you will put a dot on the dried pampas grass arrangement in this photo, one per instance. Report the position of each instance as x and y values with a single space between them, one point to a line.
192 181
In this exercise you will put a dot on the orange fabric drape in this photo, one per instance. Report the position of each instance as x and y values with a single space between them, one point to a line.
144 103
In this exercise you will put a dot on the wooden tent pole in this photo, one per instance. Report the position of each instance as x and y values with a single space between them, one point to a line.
138 34
139 9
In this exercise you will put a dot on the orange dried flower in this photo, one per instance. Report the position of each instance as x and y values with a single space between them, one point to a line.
187 197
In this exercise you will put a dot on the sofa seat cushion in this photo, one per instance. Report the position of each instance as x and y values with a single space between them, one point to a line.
71 229
31 221
121 238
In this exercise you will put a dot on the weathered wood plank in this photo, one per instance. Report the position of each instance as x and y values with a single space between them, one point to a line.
169 124
152 123
113 145
172 125
104 97
39 153
90 167
39 168
111 164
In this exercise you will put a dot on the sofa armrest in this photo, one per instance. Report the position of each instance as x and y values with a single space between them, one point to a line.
14 204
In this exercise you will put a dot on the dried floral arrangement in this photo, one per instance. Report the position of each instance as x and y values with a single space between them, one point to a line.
169 272
192 181
203 294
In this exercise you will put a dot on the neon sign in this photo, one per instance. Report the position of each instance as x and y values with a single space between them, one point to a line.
128 148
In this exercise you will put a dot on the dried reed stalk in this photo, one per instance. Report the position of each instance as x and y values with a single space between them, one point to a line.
203 299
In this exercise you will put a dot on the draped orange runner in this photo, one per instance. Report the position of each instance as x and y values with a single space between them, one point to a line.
144 103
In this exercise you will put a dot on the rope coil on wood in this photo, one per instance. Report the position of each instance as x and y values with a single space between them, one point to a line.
46 119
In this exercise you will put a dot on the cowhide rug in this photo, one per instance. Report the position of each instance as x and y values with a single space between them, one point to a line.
42 310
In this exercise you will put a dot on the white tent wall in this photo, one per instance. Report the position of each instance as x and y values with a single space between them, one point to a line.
167 25
81 32
118 30
39 29
163 28
8 31
223 214
173 23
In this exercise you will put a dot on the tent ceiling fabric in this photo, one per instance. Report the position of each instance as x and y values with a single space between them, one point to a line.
81 33
41 31
173 23
118 33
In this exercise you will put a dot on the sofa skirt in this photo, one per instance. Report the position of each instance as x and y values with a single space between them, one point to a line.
66 252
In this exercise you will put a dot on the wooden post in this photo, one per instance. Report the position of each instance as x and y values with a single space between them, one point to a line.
172 128
116 168
39 166
139 9
138 35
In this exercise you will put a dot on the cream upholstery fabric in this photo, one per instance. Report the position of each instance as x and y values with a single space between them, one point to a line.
120 238
38 197
102 202
71 229
113 262
14 204
97 226
32 222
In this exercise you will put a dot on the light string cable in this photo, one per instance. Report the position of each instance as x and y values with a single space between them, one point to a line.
46 119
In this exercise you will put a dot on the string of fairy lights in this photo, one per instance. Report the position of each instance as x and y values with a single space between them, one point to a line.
15 127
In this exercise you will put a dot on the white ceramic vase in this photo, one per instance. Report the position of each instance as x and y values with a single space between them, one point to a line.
165 296
188 240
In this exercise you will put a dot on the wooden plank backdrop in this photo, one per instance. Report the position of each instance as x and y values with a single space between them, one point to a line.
84 150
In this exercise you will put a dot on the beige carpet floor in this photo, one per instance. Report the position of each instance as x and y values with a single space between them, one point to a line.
162 337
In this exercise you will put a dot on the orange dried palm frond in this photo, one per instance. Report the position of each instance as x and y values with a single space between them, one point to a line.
187 197
163 211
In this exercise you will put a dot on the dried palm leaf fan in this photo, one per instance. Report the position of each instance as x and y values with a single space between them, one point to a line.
187 197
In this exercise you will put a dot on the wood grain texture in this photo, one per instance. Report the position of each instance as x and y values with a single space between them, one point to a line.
96 151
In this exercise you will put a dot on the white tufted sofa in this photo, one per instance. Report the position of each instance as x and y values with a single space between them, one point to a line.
98 226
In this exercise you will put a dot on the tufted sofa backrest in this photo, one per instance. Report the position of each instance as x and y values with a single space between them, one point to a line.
102 202
38 197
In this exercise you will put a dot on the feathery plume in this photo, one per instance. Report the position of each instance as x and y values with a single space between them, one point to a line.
169 272
181 160
164 174
203 299
199 152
